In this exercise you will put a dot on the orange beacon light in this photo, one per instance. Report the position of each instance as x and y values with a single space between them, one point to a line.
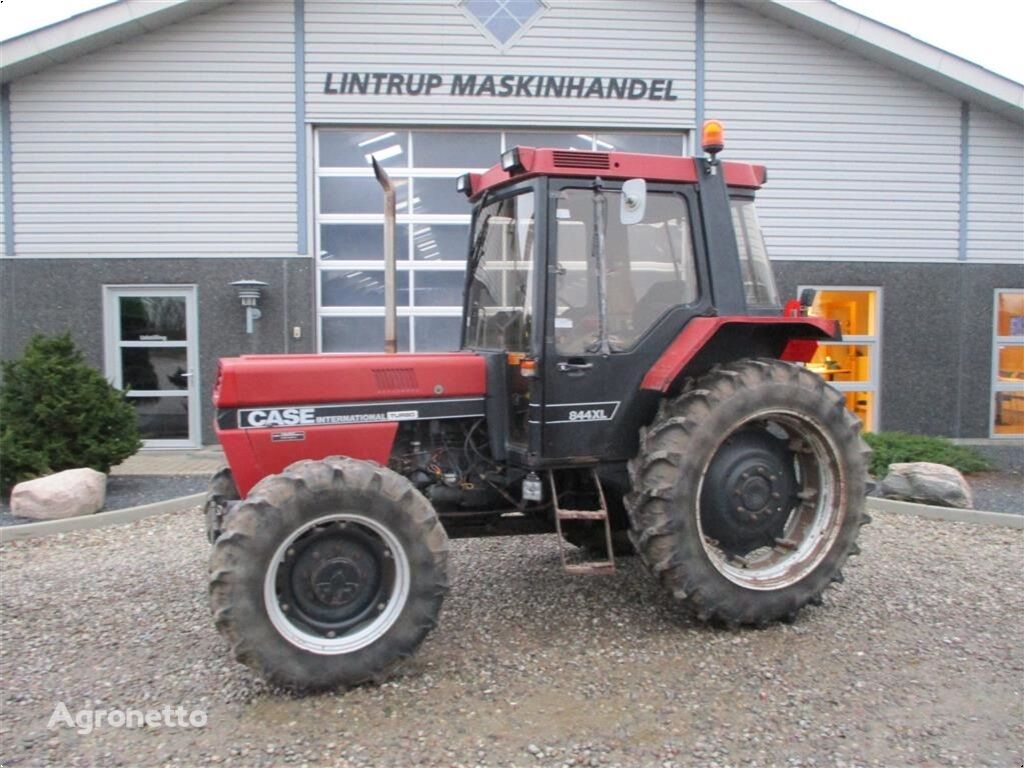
712 139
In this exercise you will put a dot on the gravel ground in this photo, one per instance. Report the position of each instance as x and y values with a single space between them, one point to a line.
998 491
915 660
125 491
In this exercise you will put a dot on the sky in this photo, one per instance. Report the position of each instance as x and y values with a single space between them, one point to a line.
987 32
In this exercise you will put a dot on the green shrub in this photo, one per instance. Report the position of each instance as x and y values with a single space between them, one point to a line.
895 447
57 412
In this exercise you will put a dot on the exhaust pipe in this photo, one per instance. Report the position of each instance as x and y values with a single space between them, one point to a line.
390 302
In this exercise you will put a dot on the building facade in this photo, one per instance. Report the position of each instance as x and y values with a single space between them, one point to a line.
155 154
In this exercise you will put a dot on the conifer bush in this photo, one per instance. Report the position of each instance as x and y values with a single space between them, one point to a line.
57 412
897 447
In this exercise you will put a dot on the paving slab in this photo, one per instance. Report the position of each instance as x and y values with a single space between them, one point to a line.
197 461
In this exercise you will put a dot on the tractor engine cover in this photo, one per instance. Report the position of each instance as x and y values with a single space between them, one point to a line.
273 410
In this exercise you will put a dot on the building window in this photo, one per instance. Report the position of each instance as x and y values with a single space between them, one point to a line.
503 20
432 232
853 365
1008 364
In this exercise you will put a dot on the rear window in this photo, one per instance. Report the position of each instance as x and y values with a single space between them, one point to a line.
758 280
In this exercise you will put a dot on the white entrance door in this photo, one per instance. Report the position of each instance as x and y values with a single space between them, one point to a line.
151 351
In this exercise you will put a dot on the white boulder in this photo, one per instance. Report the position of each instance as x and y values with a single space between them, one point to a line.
70 493
926 483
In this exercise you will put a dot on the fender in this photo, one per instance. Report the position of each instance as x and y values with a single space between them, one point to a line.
796 339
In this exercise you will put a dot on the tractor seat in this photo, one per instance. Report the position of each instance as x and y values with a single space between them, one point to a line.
658 299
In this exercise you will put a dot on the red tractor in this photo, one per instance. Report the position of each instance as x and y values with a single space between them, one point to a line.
626 379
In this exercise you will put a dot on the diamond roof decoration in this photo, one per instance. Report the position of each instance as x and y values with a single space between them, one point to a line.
503 20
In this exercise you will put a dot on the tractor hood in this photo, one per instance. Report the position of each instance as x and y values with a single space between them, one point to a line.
274 410
268 380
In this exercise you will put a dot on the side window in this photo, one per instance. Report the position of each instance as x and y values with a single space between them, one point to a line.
649 268
758 280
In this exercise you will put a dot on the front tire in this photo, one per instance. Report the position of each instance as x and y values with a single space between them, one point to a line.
748 492
329 574
220 492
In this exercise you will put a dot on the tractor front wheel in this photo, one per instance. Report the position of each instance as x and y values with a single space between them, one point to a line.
748 492
329 574
220 492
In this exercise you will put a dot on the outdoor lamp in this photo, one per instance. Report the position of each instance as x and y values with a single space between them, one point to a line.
249 294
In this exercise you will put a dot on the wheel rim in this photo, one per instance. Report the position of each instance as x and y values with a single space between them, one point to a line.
336 584
785 482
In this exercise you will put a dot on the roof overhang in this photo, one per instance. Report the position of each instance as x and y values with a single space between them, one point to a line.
90 31
899 51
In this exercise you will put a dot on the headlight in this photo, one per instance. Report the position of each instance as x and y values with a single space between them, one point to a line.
510 161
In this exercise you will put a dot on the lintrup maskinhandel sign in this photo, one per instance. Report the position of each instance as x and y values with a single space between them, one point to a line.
499 86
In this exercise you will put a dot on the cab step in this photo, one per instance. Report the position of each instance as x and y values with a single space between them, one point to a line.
593 567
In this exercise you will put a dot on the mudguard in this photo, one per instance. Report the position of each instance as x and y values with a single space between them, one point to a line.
792 338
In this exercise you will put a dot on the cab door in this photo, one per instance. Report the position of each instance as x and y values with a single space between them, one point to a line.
609 319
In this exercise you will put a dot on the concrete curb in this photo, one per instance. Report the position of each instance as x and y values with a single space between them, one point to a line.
99 520
949 514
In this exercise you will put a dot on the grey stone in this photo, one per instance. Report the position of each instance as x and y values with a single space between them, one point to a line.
927 483
70 493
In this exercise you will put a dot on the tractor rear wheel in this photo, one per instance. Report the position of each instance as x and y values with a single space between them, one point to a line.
748 492
329 574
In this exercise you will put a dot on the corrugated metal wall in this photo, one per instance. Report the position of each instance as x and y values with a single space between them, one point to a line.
995 227
176 143
181 142
3 209
863 162
592 38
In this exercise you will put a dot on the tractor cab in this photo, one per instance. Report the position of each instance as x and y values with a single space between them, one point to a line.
583 268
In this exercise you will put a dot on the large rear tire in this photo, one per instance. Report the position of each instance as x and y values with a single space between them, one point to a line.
748 492
329 574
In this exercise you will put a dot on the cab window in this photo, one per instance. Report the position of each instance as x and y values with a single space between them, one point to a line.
501 267
650 268
758 280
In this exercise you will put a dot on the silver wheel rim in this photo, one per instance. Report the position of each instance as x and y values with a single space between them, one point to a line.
813 524
367 633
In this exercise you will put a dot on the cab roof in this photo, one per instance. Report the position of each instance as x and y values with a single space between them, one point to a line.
533 162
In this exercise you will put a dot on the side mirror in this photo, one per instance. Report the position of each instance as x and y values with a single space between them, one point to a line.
807 296
634 201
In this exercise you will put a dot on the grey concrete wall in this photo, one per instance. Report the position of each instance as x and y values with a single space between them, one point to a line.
936 337
57 295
